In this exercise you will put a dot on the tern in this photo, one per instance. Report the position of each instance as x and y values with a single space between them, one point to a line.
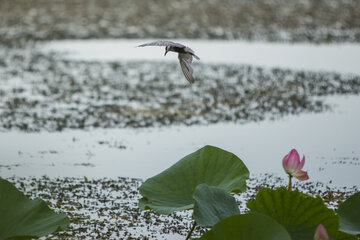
185 55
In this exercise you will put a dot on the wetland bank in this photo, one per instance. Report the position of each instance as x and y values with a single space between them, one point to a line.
78 117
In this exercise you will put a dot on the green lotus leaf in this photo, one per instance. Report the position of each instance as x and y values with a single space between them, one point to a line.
248 226
299 213
345 236
173 189
22 218
212 204
349 214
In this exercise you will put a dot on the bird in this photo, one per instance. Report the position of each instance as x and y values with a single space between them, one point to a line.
185 56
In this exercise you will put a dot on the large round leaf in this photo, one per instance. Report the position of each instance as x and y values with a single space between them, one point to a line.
299 213
212 204
349 213
22 218
345 236
173 189
247 227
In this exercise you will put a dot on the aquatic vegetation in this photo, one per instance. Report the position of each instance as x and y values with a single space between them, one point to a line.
299 213
173 189
44 92
321 233
58 94
293 167
208 213
22 218
246 227
349 213
106 208
297 20
204 180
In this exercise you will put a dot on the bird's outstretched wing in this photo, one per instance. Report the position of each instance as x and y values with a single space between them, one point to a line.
185 63
172 44
163 43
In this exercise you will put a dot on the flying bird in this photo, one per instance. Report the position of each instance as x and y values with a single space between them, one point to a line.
185 55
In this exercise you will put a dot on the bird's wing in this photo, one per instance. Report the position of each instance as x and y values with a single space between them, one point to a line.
163 43
185 63
170 43
189 50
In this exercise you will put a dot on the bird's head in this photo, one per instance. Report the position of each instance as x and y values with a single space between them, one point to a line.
166 50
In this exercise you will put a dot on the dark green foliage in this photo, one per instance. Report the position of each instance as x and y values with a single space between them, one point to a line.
173 189
22 218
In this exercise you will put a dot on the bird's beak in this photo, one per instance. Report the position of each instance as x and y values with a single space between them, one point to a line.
166 51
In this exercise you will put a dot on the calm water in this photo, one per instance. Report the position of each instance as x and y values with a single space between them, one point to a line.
330 141
342 58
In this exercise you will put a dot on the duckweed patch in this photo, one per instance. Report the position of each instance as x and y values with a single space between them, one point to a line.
107 208
293 21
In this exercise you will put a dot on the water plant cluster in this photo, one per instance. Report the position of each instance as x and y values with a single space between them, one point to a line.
42 91
295 21
22 218
203 181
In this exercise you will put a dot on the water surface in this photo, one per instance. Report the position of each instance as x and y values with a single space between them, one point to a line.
342 58
330 142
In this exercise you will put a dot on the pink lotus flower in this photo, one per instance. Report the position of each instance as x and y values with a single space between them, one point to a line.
292 165
320 233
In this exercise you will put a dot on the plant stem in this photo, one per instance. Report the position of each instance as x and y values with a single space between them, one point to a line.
290 185
191 230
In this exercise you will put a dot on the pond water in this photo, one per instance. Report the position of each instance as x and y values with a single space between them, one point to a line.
329 140
342 58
